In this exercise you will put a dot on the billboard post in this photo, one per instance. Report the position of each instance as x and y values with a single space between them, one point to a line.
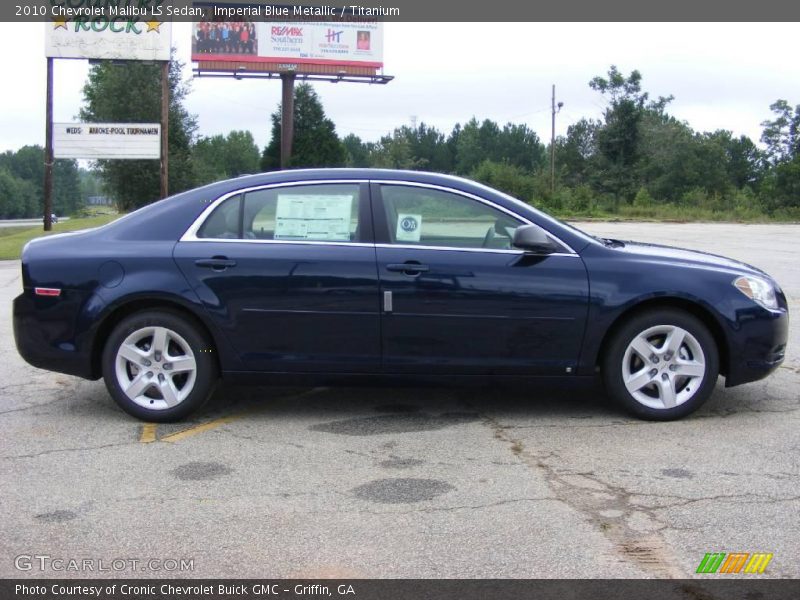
48 150
164 129
287 118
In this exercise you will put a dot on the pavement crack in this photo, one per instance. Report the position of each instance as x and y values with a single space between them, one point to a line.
635 531
76 449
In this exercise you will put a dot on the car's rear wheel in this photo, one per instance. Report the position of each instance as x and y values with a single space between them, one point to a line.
661 364
158 366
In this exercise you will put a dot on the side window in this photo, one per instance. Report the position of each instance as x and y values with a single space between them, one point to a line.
427 217
325 213
223 223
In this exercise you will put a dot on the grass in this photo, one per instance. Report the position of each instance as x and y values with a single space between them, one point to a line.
12 239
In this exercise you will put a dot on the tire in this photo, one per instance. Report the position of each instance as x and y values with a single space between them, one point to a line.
662 384
151 384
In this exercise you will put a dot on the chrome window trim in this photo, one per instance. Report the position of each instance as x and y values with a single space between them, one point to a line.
488 203
191 233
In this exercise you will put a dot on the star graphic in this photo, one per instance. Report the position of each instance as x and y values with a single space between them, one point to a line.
153 26
60 22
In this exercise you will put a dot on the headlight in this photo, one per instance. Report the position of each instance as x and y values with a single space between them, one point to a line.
758 290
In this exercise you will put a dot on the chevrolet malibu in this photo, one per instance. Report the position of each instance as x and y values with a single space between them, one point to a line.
347 276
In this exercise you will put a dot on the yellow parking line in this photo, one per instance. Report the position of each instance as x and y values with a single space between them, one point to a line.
185 433
148 433
176 437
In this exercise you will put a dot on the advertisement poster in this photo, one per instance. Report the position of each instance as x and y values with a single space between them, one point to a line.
345 43
108 38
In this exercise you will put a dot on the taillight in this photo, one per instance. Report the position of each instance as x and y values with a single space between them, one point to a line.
52 292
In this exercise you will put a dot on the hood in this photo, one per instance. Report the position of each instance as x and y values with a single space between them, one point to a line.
689 257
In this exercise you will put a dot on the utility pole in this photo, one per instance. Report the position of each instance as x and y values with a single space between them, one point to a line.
556 109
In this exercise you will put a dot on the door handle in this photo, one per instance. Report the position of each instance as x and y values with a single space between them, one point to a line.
218 263
409 268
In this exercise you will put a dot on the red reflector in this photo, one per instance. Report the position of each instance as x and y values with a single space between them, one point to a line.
47 291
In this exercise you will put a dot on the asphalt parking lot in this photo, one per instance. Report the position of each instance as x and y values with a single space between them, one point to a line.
407 482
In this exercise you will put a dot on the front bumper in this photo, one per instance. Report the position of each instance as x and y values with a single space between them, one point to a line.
758 345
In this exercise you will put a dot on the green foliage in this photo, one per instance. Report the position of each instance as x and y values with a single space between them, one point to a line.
315 141
26 169
511 179
643 198
131 92
222 157
782 134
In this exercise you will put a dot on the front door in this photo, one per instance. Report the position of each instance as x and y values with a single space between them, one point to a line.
458 299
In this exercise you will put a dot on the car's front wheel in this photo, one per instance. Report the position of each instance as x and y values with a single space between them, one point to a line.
661 364
158 366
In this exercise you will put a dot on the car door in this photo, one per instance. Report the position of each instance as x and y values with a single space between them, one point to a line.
458 299
288 273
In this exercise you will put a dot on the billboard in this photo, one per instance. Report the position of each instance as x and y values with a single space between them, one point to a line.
107 140
108 38
336 43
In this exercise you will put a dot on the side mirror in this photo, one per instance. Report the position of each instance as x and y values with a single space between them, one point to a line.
533 239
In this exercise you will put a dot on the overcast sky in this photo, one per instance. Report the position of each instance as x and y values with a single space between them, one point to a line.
722 76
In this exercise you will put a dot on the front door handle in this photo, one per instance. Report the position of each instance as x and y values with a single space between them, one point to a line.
218 263
409 268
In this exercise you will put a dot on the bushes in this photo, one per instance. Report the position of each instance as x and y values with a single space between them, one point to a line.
507 178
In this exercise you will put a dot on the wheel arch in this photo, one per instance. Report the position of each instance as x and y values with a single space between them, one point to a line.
696 309
135 305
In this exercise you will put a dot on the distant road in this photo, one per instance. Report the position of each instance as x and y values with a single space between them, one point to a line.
25 222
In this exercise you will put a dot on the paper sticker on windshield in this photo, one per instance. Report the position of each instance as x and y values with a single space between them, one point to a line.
313 217
409 228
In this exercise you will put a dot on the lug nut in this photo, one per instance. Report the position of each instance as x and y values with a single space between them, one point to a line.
653 372
654 358
664 376
149 374
146 362
167 366
673 367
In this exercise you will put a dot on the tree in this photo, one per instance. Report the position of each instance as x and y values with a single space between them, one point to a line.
131 92
27 165
356 151
315 141
219 157
576 151
18 197
782 134
618 140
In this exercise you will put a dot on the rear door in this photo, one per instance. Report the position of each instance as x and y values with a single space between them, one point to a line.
288 273
458 299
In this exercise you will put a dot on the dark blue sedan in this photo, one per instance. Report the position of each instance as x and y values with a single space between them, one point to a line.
345 276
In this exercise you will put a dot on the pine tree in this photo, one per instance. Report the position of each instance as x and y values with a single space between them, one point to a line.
315 141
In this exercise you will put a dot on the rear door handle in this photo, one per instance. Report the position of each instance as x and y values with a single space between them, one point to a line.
408 268
218 263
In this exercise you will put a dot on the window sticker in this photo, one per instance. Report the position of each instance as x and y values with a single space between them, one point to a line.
313 217
409 228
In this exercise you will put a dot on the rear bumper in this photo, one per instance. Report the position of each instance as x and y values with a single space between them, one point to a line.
759 346
49 332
